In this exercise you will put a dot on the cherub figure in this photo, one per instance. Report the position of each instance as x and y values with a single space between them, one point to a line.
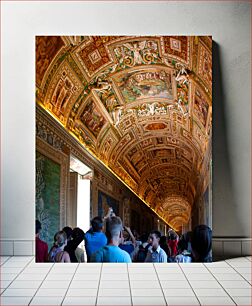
136 48
151 108
102 85
117 114
180 107
182 75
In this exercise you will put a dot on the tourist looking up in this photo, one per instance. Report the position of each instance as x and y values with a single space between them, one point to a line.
95 238
128 241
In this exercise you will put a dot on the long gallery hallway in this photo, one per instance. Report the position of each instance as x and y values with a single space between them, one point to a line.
25 282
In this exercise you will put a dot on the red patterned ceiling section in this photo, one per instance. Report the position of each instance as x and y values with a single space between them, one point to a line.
177 47
142 105
93 55
46 49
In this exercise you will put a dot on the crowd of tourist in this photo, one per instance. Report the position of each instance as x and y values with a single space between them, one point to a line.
109 241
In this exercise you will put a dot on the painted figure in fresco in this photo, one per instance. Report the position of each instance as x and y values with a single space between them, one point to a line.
117 113
136 48
151 52
182 75
103 85
91 117
110 70
120 53
180 107
110 103
61 96
201 107
57 92
151 108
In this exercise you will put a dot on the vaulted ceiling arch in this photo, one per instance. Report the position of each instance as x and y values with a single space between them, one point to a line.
142 105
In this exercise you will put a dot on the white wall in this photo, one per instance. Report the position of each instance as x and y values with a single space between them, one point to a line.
83 204
227 22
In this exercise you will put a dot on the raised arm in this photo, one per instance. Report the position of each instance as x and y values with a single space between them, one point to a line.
131 235
108 214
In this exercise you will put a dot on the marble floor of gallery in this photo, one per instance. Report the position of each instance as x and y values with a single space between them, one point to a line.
24 282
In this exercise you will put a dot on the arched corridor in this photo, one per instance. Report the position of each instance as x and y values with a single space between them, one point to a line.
23 281
138 112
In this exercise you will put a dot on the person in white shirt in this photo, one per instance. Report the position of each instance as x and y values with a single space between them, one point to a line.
155 252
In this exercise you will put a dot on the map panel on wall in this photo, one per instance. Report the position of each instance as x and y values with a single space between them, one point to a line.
47 196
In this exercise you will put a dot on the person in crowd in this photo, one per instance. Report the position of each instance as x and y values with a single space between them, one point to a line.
164 245
57 252
112 252
173 243
155 252
128 241
80 254
136 234
184 253
41 246
201 243
72 245
142 249
95 238
144 239
68 230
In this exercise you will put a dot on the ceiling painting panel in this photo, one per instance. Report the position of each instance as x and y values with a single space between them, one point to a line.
205 65
140 84
106 146
93 55
64 89
201 106
91 117
137 51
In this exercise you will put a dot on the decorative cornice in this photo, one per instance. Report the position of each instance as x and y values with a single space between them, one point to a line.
54 134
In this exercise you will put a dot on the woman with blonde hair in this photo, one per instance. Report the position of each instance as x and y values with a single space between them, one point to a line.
57 253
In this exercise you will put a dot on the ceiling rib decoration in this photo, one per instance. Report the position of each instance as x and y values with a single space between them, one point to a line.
142 105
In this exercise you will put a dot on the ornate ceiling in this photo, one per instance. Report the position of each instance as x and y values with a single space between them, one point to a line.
141 105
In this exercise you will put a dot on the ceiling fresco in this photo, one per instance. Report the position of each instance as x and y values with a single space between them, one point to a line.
141 105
